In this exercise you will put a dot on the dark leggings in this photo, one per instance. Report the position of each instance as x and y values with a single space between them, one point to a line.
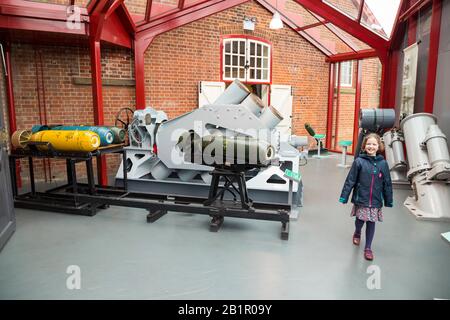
370 231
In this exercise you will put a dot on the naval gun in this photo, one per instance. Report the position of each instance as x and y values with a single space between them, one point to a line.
156 157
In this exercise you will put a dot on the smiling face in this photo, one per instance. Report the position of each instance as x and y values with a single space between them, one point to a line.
372 146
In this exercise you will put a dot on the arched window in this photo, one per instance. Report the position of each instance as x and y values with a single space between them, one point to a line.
246 59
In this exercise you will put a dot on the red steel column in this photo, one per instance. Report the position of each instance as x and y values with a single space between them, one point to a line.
140 46
357 104
97 99
11 105
330 105
433 55
338 97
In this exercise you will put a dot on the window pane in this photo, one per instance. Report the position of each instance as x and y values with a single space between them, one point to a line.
265 63
266 51
227 47
235 46
258 62
227 60
252 48
258 74
252 62
241 73
242 47
258 50
235 60
235 73
241 61
227 72
265 75
252 74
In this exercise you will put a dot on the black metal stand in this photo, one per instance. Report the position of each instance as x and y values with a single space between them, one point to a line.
231 177
87 199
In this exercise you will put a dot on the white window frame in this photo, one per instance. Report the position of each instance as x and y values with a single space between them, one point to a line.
244 65
346 67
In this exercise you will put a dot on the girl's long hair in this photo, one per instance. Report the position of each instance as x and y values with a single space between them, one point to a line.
376 137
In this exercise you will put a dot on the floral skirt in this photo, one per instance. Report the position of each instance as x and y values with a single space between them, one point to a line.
367 214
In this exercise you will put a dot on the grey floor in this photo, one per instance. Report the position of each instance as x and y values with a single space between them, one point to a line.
122 257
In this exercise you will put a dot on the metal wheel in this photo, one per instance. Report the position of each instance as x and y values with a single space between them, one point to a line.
123 118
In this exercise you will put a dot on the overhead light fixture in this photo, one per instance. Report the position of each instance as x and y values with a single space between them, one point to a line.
276 22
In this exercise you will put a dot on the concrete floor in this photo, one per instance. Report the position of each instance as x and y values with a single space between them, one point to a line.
123 257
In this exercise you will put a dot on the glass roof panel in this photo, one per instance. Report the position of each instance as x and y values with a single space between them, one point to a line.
136 8
328 39
352 42
189 3
379 16
348 7
295 12
61 2
82 3
161 7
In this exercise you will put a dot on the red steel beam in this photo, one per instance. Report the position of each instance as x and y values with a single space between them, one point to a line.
148 10
140 46
331 84
436 14
362 54
357 104
344 22
97 99
181 4
312 25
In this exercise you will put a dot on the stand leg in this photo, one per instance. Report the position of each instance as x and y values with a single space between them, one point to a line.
216 223
155 215
33 187
284 230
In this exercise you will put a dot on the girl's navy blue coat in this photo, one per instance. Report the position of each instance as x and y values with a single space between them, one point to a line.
370 180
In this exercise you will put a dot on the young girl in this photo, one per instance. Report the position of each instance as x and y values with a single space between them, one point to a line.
370 180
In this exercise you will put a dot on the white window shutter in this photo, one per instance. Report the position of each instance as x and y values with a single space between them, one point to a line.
208 92
281 99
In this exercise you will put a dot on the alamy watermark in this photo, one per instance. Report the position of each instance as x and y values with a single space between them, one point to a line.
73 281
374 280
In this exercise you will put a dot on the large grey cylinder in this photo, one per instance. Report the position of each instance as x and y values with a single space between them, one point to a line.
187 175
234 94
270 117
160 171
415 127
375 119
254 104
436 143
393 143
